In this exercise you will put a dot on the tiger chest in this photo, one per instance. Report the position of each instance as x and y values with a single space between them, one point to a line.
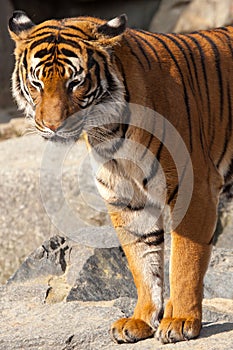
138 207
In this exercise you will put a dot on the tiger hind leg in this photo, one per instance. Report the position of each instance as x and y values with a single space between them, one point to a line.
183 312
145 258
190 253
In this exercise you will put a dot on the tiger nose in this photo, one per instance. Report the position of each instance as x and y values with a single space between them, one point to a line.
51 125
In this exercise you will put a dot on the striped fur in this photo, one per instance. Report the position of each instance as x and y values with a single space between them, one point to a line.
88 75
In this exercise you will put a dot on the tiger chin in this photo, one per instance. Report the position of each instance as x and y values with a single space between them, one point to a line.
157 113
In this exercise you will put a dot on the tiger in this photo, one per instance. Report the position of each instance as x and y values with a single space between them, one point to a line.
156 112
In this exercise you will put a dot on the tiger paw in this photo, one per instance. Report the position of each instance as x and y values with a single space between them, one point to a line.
130 330
172 330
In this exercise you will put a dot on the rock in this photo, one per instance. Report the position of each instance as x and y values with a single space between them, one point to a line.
224 236
206 14
6 114
14 128
219 277
187 16
27 322
41 310
104 276
44 191
165 19
75 271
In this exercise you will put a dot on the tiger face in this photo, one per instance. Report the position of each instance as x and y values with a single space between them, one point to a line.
63 72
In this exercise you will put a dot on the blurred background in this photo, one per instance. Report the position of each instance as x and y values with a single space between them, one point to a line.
24 224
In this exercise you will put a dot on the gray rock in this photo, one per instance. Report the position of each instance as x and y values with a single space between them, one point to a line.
165 19
74 271
77 272
205 14
104 276
50 259
187 16
219 277
42 189
27 322
224 236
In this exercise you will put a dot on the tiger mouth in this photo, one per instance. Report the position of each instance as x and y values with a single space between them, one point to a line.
69 130
62 136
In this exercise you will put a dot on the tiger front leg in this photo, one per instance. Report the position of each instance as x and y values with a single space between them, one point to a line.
145 257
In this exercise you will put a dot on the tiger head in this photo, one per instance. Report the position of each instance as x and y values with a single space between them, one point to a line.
64 71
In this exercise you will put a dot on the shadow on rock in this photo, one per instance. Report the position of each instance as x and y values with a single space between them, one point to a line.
213 329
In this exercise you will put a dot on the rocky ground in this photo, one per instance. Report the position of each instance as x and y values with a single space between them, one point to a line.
66 295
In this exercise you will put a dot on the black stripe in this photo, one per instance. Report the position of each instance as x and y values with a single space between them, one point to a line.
155 164
41 34
70 35
23 86
157 241
45 28
183 39
144 53
133 52
152 238
201 133
135 208
186 98
218 68
90 63
111 82
228 129
173 194
49 61
123 205
120 65
68 53
152 234
42 53
69 42
148 144
56 40
222 28
90 59
116 143
48 39
180 47
149 45
175 190
202 57
88 37
25 59
229 40
62 60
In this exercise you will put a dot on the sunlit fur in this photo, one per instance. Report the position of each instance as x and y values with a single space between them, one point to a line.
85 74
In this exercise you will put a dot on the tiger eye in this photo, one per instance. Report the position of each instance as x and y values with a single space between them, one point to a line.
73 84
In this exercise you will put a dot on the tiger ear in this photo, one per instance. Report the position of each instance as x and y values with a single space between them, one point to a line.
19 25
114 27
